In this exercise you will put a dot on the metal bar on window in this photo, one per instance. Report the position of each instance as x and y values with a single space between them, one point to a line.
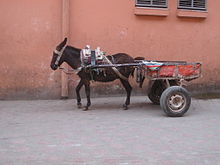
192 4
152 3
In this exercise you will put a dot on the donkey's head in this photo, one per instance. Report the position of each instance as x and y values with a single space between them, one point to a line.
58 55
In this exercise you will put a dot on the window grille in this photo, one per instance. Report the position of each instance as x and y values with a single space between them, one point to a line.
152 3
192 4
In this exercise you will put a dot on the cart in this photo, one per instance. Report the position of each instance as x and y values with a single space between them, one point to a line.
167 80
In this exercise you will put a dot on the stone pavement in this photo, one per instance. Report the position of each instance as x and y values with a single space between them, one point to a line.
55 132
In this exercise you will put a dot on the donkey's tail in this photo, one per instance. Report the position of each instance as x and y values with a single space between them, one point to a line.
141 77
136 59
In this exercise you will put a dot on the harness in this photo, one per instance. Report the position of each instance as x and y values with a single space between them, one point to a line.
115 69
92 57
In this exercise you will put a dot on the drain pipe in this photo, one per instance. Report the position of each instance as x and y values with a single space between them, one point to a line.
65 33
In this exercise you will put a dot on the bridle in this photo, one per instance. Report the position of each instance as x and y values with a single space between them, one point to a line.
59 54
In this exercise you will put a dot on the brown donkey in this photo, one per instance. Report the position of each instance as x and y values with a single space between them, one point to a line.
71 56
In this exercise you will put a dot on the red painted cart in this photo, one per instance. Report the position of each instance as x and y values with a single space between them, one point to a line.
167 81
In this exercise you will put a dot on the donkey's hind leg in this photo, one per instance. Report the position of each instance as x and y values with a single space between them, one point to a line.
128 89
79 86
87 89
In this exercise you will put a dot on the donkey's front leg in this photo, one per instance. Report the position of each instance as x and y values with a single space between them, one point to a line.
79 86
87 89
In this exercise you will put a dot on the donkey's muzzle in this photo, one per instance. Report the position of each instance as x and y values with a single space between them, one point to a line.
54 66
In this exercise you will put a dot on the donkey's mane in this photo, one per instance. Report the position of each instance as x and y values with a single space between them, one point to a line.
76 49
72 50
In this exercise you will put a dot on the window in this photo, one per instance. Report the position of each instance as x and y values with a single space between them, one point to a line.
152 3
192 4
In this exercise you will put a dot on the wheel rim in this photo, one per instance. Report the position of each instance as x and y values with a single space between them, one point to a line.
177 102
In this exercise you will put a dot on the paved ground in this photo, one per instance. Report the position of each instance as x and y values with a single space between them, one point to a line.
57 133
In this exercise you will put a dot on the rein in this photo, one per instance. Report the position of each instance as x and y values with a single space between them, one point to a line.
70 71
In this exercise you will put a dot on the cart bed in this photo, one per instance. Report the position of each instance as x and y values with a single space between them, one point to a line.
172 70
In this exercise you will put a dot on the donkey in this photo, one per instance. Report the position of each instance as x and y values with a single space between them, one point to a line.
71 55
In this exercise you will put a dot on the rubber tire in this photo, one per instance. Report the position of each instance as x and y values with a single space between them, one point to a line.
157 89
166 96
155 92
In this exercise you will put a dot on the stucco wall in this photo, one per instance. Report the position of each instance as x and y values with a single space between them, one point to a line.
30 30
114 26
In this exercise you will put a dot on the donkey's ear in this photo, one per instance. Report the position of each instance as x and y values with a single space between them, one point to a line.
65 40
62 44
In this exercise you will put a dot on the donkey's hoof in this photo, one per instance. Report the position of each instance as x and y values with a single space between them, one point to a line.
86 108
125 107
79 105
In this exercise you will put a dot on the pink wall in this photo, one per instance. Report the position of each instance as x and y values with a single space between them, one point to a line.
114 26
30 30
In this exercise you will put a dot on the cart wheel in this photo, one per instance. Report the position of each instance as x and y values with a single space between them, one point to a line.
155 92
175 101
157 89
